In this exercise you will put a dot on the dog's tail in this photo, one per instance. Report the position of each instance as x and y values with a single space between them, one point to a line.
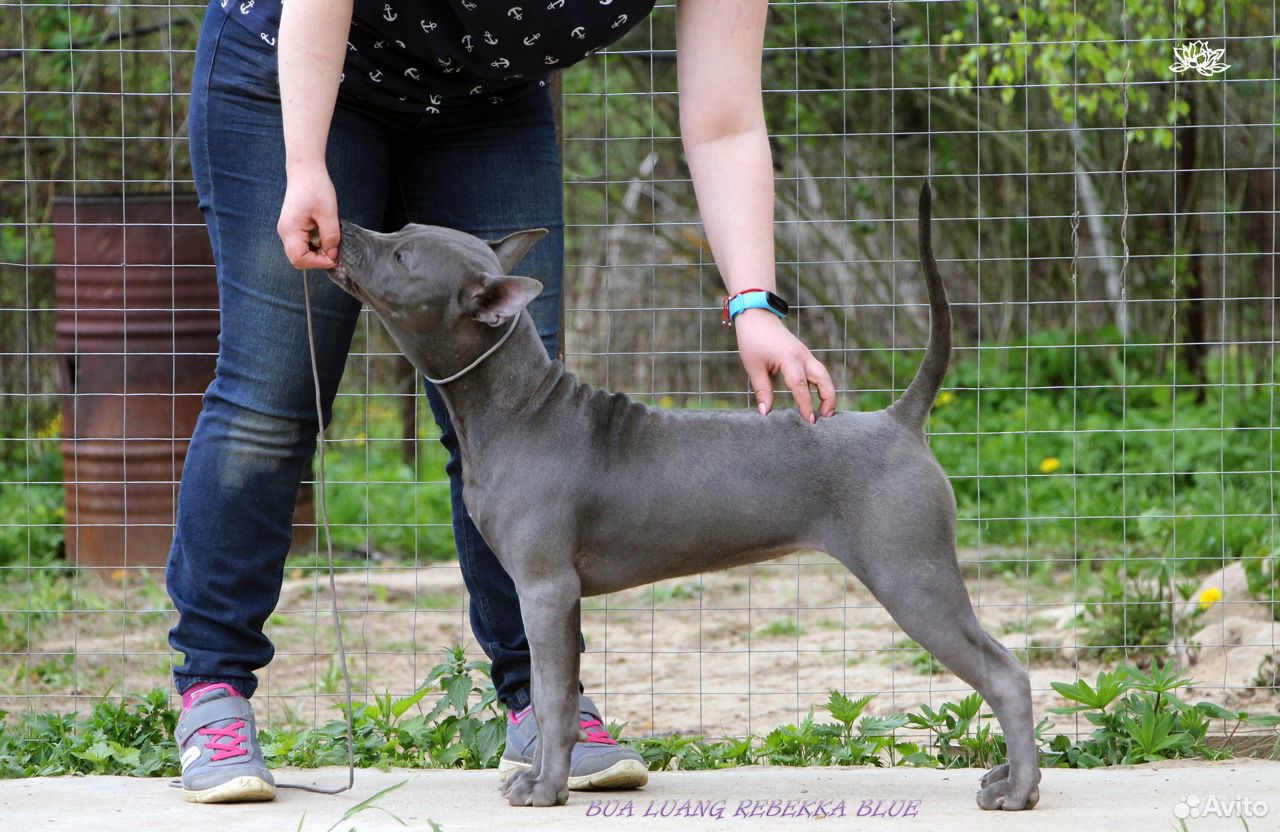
913 408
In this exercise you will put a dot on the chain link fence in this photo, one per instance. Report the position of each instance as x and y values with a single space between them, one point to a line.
1105 187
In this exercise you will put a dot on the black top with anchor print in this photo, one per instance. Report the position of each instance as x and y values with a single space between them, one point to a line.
423 55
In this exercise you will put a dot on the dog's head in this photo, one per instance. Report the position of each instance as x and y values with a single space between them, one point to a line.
424 279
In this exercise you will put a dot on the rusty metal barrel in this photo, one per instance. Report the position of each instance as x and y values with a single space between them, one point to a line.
137 333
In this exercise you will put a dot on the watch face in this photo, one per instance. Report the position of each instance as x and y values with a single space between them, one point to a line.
777 303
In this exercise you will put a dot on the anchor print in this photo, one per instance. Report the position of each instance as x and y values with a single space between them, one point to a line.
376 76
622 18
411 72
579 32
490 39
444 61
466 43
605 2
476 90
495 99
388 13
532 39
554 4
515 12
434 99
400 44
548 60
378 44
468 6
501 63
428 26
433 111
246 6
267 39
449 70
351 47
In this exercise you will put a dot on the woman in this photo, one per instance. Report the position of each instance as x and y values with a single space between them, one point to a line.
434 111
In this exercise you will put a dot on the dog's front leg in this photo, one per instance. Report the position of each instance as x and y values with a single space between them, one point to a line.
551 609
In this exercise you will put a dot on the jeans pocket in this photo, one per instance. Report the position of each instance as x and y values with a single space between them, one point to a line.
244 63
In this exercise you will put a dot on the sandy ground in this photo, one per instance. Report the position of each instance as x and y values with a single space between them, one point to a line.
728 653
1119 799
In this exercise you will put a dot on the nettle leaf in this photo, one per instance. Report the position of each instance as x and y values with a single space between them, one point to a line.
844 709
878 726
457 692
1217 711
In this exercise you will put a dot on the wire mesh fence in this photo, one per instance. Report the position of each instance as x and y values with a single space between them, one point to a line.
1105 192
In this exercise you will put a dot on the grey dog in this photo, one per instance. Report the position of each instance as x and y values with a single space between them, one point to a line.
583 492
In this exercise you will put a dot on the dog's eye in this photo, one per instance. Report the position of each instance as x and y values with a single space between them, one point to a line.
400 258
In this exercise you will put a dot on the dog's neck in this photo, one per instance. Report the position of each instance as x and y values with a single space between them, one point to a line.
502 385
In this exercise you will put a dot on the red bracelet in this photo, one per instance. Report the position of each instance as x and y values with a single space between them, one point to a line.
724 314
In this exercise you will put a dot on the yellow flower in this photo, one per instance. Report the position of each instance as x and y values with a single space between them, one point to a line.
1209 597
51 430
946 397
1050 464
666 401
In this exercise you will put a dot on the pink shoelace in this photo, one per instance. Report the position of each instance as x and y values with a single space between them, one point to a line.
228 741
596 732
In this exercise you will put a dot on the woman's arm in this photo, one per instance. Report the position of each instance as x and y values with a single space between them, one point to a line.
311 52
719 45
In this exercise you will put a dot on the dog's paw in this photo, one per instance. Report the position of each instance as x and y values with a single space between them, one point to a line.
999 791
1000 772
514 780
530 791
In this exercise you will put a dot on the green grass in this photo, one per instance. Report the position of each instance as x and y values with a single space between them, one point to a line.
907 651
1102 458
31 599
31 506
780 627
454 721
1124 464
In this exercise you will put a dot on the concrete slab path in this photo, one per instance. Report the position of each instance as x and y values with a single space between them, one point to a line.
1118 799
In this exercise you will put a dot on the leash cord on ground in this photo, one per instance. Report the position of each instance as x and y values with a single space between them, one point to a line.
333 585
328 540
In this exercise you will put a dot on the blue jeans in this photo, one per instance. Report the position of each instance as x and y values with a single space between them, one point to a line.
489 172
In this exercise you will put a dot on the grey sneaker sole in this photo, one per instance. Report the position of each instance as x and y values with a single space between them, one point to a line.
235 790
624 774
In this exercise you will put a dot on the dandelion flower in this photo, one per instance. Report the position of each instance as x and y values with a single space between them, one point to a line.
946 397
1050 464
1209 597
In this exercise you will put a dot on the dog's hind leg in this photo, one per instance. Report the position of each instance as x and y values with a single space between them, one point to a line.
927 597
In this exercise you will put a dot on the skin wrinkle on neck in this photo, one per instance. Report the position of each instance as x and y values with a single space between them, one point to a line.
510 383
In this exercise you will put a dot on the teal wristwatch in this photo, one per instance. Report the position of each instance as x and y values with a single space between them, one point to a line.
752 299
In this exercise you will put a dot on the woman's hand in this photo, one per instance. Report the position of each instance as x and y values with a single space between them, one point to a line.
768 348
310 203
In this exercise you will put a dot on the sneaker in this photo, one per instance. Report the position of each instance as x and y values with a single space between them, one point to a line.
598 763
221 759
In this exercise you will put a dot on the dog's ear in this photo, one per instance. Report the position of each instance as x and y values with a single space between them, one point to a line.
497 299
511 248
